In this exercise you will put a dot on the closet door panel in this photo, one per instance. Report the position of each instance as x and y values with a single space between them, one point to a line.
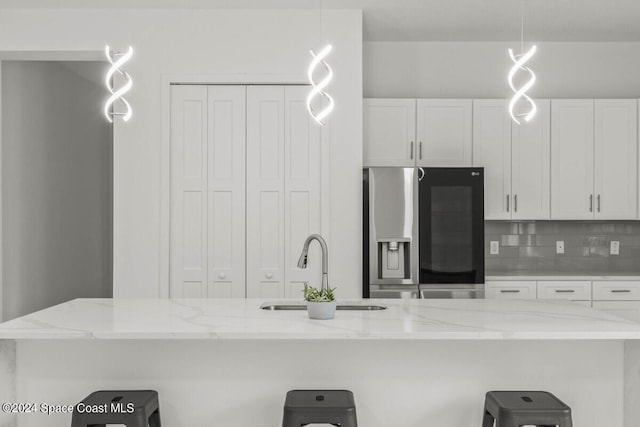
226 187
188 257
265 192
301 191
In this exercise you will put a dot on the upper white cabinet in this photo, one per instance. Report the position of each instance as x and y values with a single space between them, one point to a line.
444 132
389 132
426 132
593 159
615 161
516 159
245 191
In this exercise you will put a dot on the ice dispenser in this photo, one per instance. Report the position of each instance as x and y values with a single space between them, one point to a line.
391 230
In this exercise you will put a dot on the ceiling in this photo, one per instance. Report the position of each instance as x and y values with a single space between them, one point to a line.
433 20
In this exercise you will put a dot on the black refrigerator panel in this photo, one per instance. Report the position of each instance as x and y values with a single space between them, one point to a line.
451 226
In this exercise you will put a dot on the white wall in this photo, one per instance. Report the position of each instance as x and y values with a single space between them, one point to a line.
56 187
479 70
234 46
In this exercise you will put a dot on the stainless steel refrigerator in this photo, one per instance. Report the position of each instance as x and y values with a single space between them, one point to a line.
423 232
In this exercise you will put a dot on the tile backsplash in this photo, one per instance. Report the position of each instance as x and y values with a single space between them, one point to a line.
529 248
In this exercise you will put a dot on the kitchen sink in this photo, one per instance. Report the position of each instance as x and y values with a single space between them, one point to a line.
286 305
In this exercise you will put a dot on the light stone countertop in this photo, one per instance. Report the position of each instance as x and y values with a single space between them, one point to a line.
241 319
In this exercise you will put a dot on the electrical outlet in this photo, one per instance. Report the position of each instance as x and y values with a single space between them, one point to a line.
559 246
615 247
494 247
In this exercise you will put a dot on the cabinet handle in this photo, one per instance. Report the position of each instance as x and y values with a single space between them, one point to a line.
591 203
565 291
420 148
515 203
509 291
598 203
269 275
222 275
411 151
620 291
507 203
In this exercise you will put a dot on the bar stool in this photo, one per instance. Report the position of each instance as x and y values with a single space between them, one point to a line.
518 408
133 408
302 407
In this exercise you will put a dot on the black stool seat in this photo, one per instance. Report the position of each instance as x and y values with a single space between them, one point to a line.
133 408
518 408
302 407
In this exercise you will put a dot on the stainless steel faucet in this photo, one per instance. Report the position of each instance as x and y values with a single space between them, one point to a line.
302 262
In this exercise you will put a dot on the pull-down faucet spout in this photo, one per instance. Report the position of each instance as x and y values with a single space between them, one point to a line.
302 262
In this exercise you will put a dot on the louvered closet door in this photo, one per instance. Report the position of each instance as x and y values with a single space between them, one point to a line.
301 191
188 267
265 192
207 191
226 163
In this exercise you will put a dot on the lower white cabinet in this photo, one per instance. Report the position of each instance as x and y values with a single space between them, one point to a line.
517 289
625 309
565 290
619 297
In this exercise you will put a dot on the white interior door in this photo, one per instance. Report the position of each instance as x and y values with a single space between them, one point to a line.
530 165
188 269
265 192
226 191
616 167
572 159
492 150
301 190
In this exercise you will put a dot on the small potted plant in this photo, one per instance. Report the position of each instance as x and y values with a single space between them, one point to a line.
321 303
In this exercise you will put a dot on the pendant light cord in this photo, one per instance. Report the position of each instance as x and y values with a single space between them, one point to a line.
521 27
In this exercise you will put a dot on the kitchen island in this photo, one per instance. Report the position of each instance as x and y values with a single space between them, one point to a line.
227 362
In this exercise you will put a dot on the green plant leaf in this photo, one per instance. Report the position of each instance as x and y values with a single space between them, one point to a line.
318 295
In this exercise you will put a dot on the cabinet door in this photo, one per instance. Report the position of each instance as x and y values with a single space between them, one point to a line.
492 150
521 289
226 191
616 163
265 192
444 132
188 257
389 132
572 159
530 165
629 310
301 191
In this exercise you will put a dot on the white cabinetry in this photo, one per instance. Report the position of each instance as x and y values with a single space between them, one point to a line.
578 290
593 177
389 132
444 132
621 298
426 132
223 212
516 159
616 165
506 289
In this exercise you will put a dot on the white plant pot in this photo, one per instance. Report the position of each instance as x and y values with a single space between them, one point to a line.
321 310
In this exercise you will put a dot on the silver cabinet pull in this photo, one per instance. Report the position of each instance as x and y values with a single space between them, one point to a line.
515 203
507 203
509 291
565 291
420 149
620 291
411 151
591 203
598 203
